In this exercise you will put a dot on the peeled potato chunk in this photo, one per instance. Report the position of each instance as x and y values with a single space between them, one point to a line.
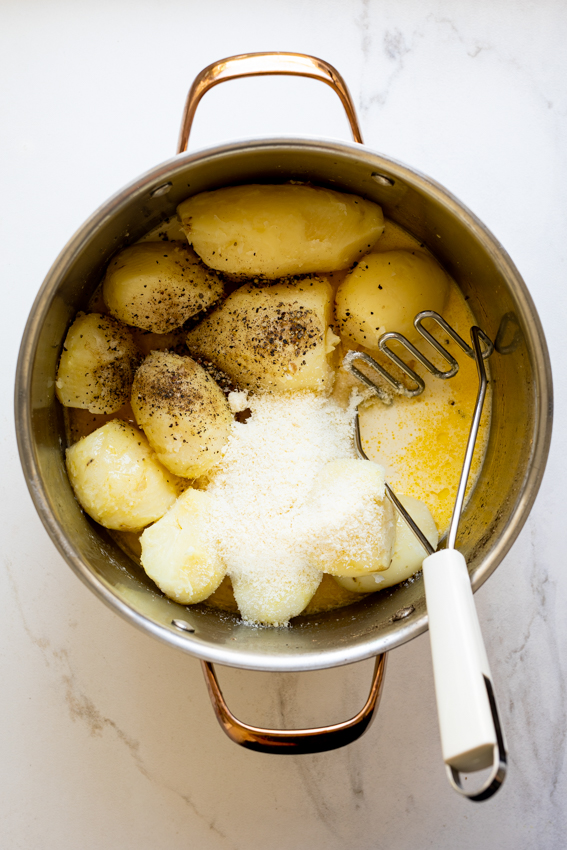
118 479
280 230
408 552
273 600
182 411
385 292
272 337
353 526
179 552
157 286
97 364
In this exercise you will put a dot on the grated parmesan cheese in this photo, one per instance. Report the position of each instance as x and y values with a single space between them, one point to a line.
260 488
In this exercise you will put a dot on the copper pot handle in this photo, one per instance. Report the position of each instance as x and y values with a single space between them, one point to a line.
259 65
295 741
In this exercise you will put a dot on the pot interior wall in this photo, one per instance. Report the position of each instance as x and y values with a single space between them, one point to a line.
505 490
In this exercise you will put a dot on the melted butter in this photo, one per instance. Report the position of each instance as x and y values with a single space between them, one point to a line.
80 423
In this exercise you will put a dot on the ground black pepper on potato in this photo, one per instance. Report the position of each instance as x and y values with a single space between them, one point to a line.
97 364
182 411
272 337
157 286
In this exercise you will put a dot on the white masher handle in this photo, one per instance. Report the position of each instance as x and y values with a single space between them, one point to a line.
460 665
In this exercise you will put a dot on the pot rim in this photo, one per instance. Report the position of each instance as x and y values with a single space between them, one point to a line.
142 186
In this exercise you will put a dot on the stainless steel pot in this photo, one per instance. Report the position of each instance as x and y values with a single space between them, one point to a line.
521 420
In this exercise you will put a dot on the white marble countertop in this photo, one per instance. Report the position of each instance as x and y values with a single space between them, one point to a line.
107 737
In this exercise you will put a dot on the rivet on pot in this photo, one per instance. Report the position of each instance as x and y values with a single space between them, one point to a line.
382 179
402 613
161 190
183 625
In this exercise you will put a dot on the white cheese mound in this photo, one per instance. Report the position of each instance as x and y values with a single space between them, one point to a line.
259 490
238 401
349 524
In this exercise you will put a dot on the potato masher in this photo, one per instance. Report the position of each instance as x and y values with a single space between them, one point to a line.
471 735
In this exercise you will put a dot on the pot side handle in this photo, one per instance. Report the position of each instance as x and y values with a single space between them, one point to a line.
259 65
295 741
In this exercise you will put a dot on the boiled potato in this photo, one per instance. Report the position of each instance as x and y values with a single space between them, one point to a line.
275 598
385 292
352 521
179 552
97 364
272 337
273 231
118 479
182 411
157 286
408 551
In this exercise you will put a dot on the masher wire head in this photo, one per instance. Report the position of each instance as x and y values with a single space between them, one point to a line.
399 388
476 352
